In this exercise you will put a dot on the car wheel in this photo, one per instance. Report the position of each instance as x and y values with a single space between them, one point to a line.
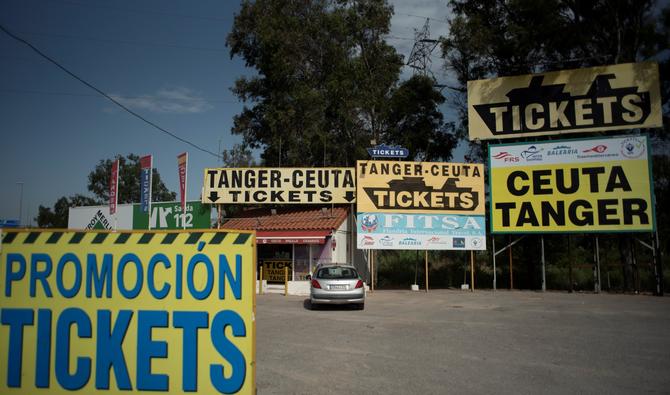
313 306
360 306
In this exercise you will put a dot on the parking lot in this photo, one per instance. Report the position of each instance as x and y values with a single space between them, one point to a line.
451 341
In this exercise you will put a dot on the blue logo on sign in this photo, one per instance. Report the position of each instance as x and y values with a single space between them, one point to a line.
387 151
369 223
459 242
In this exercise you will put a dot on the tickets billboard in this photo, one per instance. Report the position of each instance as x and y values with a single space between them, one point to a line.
101 312
420 187
623 96
587 185
285 185
393 231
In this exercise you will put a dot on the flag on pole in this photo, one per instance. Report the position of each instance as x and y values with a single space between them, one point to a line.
182 162
114 188
146 164
145 183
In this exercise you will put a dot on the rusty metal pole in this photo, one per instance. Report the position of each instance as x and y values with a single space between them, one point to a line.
260 282
285 280
426 270
472 271
511 270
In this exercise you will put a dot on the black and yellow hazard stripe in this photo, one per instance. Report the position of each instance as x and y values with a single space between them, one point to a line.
213 237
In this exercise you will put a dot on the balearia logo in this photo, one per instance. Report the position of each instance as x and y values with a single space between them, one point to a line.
367 241
409 241
561 150
545 108
532 153
459 242
386 241
369 222
633 147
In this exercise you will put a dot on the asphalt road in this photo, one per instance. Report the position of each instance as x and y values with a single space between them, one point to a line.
467 343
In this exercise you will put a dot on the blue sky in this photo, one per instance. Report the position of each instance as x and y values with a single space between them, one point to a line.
166 60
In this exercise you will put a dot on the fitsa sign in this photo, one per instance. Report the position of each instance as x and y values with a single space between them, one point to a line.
101 312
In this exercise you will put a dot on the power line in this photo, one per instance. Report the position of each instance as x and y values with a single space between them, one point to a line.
127 42
446 22
47 57
144 11
56 93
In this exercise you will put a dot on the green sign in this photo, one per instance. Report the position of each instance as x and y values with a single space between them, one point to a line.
169 216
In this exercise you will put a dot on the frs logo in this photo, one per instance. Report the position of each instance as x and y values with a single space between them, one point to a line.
506 156
367 241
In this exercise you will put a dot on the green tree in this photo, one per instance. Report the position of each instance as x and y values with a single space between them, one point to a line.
57 217
323 83
98 184
492 38
416 123
238 156
129 181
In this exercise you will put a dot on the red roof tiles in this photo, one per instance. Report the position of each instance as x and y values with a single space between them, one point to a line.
288 219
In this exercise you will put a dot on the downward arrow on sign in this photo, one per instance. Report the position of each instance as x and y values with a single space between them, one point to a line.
349 196
213 196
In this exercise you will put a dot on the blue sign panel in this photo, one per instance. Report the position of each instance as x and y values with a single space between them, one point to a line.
145 189
386 151
421 231
9 223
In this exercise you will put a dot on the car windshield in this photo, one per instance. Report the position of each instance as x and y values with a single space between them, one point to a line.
337 273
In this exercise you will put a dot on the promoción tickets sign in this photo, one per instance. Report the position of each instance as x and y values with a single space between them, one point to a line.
594 185
283 185
420 187
127 312
623 96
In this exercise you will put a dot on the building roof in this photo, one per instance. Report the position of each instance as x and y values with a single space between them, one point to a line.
263 219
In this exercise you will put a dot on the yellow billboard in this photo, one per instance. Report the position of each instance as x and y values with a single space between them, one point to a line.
595 185
284 185
103 312
420 187
622 96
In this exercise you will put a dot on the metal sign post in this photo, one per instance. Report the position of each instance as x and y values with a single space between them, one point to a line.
544 278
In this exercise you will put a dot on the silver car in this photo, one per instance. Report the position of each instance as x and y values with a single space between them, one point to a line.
337 284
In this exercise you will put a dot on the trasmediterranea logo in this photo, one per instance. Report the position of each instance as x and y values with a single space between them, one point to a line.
367 241
436 241
562 150
532 154
409 241
633 147
459 242
386 241
505 156
369 223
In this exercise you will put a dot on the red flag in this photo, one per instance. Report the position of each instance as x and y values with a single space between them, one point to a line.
182 162
114 188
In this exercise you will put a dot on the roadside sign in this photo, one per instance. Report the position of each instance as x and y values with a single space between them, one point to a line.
395 231
279 185
131 312
622 96
9 223
387 151
587 185
420 187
